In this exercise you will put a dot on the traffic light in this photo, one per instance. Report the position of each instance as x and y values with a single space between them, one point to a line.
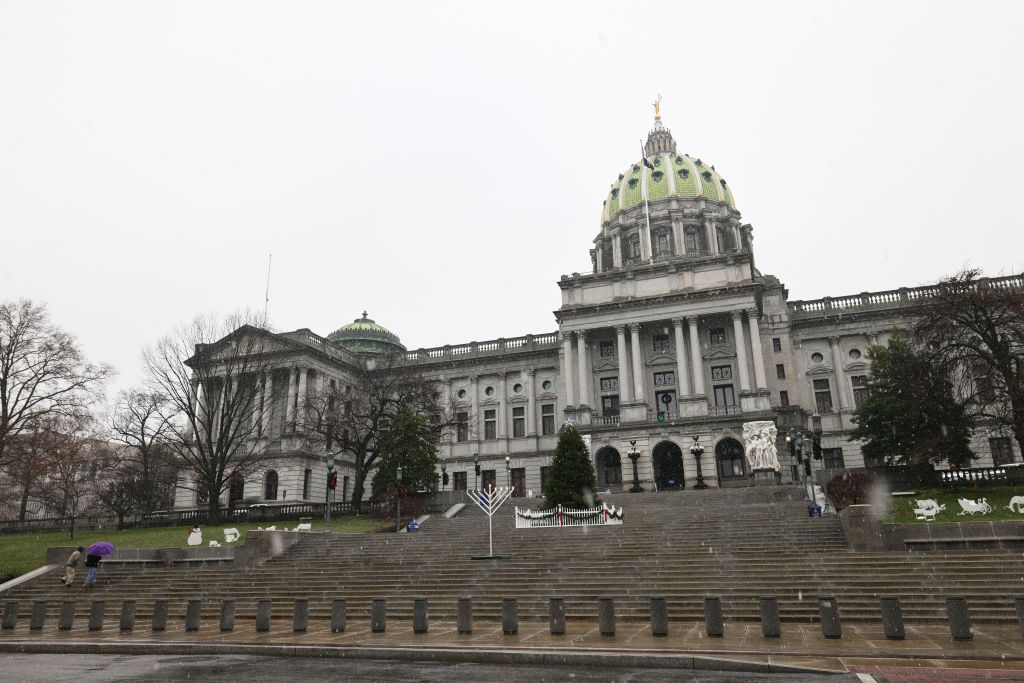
332 481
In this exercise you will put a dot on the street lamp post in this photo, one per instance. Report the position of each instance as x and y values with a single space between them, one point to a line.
329 493
508 471
444 477
634 455
697 451
816 450
398 498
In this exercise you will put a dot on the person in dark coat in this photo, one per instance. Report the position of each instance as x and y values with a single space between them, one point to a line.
92 563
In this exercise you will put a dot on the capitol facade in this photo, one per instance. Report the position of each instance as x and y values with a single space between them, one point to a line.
674 334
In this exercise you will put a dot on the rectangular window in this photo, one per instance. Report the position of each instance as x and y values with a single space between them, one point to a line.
719 372
664 378
1002 450
518 422
547 419
860 389
691 242
490 425
983 384
784 398
776 345
307 482
609 384
660 343
460 481
488 480
607 349
610 405
833 458
344 490
822 396
716 335
780 371
462 427
663 244
544 472
518 477
724 396
874 460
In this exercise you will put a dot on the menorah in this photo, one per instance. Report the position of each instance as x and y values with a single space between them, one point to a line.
489 501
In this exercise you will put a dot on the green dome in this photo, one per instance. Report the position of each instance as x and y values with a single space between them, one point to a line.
365 336
673 175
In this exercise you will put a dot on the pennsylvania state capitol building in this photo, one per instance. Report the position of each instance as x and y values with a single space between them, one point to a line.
674 334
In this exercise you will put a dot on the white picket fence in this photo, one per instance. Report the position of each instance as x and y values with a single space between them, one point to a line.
596 516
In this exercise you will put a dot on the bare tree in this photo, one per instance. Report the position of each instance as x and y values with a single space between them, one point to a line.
29 466
42 373
974 328
74 457
141 421
212 374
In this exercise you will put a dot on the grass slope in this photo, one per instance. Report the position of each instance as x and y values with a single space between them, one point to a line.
997 497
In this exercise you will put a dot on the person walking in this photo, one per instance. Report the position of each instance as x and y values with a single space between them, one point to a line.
71 565
92 563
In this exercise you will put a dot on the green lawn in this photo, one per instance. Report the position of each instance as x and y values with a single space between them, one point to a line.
20 553
997 497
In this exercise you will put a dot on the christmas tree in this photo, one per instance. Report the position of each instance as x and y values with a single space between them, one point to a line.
572 481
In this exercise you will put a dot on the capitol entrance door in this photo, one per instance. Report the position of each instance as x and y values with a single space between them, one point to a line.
668 466
731 463
609 469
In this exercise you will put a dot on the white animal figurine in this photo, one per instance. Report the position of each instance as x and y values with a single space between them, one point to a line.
271 528
231 535
305 526
971 507
195 536
927 509
1017 504
214 544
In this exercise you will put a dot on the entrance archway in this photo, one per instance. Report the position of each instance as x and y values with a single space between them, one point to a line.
609 469
668 466
732 464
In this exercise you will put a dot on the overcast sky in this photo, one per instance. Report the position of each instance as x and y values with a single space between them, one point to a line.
441 165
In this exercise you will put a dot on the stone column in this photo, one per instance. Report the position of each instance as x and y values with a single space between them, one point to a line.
840 376
617 250
682 376
567 373
531 404
289 408
502 406
446 401
646 252
257 396
741 350
267 403
625 382
586 373
300 407
599 253
474 395
695 359
755 345
639 393
709 228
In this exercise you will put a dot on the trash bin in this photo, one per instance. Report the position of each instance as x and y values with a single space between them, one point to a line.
413 526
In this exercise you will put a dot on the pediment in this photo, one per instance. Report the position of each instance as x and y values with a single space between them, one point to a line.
518 399
819 371
856 366
661 360
719 354
606 367
547 396
490 401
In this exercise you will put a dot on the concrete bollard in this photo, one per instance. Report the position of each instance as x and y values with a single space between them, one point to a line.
509 616
659 617
465 615
770 625
892 618
38 617
300 616
606 616
419 615
339 612
263 615
127 615
227 616
67 616
193 615
96 613
160 615
556 616
713 625
959 618
828 611
10 615
379 616
1019 602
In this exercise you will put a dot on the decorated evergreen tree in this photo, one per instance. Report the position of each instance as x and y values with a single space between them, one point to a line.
572 481
408 441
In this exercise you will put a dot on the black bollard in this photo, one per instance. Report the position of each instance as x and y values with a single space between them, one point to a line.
556 616
96 614
509 617
419 615
300 616
828 610
770 625
193 615
67 616
713 625
127 615
606 616
465 615
263 608
659 617
892 618
227 616
10 615
38 617
339 612
160 615
379 616
959 618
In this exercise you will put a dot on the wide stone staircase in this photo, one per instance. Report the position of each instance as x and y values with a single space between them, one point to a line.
739 544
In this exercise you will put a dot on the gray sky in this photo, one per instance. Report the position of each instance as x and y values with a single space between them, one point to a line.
441 165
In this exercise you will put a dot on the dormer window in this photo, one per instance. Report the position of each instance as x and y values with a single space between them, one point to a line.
722 181
657 176
699 162
633 182
615 192
707 175
684 173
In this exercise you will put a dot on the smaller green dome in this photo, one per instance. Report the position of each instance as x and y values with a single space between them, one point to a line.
363 335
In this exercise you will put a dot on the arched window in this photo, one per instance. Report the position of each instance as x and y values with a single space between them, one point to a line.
270 486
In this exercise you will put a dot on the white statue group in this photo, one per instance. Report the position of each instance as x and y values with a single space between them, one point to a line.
928 508
195 537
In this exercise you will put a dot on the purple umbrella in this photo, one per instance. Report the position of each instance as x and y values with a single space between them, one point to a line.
101 548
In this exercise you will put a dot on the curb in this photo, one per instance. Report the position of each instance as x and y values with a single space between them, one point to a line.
421 654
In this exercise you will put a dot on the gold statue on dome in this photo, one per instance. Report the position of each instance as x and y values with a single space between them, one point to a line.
657 109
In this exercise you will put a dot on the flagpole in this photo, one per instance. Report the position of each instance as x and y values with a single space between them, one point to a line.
266 297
